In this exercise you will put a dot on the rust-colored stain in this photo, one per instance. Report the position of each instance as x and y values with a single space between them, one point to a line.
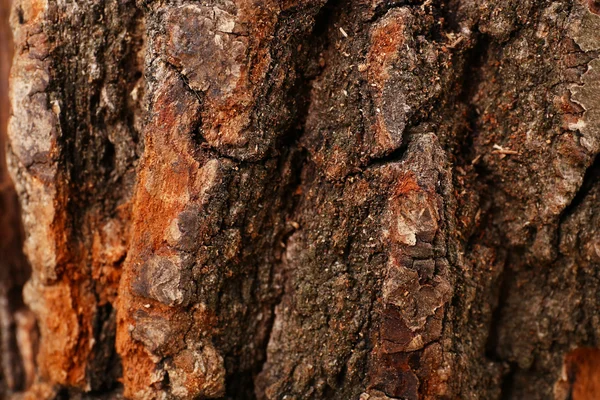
387 42
580 378
166 182
406 184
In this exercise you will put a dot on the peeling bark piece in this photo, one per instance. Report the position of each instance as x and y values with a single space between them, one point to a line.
414 308
183 232
395 377
585 28
389 43
417 302
395 335
415 218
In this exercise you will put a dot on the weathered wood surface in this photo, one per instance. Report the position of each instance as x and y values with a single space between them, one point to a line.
308 199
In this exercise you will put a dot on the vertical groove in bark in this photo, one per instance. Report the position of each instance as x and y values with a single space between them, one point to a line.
346 199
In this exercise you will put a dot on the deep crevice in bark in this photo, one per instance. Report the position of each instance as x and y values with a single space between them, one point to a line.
300 156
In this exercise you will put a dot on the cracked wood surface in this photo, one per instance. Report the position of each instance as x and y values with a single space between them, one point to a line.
304 199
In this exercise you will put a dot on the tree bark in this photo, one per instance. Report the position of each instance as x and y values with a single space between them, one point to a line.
18 336
304 199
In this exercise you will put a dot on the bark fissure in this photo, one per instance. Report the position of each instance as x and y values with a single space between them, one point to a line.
590 178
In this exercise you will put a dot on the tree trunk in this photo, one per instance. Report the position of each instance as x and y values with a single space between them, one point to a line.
304 199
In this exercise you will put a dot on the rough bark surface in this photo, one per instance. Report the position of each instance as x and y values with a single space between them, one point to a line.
303 199
18 336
